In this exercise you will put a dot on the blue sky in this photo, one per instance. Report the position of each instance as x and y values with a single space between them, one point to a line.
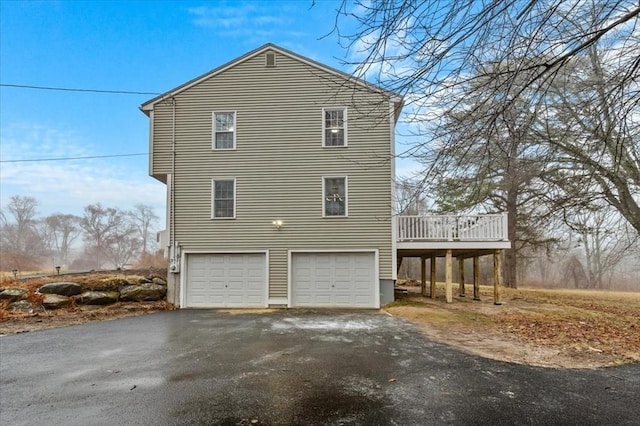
140 46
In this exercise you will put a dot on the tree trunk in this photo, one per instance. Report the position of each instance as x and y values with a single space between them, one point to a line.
510 277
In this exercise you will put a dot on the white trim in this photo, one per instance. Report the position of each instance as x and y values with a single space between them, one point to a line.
376 275
344 126
235 197
394 220
278 301
183 268
168 224
445 245
346 195
151 143
213 130
289 287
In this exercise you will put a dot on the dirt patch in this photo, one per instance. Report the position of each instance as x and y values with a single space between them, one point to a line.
549 328
23 323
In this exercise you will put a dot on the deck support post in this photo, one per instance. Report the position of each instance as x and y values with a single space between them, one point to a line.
476 278
497 276
461 289
448 276
423 275
432 277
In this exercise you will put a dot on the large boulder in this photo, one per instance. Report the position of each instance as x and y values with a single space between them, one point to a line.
13 294
55 301
159 281
110 284
62 288
21 306
143 293
99 297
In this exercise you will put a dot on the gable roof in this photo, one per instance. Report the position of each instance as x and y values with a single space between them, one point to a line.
396 98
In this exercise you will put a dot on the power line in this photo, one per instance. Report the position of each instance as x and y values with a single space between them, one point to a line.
69 89
72 158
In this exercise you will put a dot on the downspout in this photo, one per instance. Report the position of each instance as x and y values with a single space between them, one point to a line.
173 172
174 261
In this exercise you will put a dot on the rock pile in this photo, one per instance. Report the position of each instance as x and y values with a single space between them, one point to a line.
55 295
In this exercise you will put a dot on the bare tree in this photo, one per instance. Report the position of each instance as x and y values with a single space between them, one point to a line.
419 47
143 218
605 241
491 171
23 211
439 53
107 231
592 122
19 237
123 246
410 199
63 230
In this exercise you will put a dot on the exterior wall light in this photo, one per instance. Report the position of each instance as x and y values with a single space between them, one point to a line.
277 223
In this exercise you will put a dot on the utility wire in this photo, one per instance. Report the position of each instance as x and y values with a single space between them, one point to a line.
72 158
68 89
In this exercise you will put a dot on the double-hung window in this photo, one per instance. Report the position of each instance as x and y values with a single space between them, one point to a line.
334 127
223 198
224 130
334 196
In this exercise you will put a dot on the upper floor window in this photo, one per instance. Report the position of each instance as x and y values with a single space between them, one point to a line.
224 199
224 130
334 127
334 199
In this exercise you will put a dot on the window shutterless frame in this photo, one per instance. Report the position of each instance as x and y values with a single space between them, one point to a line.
223 198
223 130
335 196
334 127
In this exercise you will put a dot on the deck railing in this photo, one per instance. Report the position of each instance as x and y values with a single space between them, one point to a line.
488 227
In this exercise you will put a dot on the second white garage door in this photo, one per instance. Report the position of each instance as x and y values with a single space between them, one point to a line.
341 280
226 280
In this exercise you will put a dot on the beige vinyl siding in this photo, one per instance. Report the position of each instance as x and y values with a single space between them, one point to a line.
161 139
278 164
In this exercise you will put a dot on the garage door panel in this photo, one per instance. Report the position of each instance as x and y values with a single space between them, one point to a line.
235 284
320 299
333 279
304 300
323 271
255 272
253 285
235 300
236 272
214 299
226 280
345 283
345 300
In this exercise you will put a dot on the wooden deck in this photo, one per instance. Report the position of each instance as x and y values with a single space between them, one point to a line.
451 236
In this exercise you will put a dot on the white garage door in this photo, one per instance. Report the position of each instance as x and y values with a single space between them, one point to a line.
226 280
333 280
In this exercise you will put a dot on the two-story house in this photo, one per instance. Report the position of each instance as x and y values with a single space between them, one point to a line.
279 174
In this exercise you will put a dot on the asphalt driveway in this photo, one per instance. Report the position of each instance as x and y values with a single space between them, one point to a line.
288 367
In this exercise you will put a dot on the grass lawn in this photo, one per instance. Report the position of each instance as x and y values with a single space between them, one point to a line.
563 328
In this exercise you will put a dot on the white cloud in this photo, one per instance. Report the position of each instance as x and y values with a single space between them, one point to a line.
408 169
243 20
67 186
